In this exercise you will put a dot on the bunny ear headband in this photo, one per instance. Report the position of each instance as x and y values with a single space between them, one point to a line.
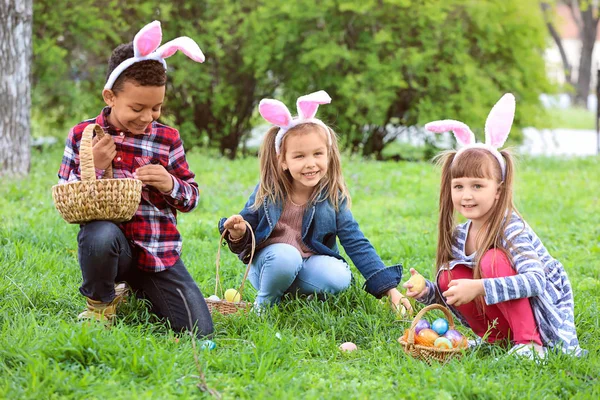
275 112
497 128
145 47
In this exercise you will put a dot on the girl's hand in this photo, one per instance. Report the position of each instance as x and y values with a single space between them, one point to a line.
396 298
409 288
463 291
104 150
236 227
155 175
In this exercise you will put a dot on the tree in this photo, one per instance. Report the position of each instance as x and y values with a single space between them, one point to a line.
585 14
392 64
15 102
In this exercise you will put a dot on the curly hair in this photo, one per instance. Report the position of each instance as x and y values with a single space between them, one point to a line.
144 73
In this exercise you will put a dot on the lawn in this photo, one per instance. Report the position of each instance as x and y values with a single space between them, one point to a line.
291 352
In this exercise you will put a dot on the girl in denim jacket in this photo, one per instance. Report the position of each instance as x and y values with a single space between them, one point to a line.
299 208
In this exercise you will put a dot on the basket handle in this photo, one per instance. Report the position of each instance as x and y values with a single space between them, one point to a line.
411 331
218 262
86 155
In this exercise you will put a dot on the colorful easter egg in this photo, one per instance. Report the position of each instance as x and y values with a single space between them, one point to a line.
232 295
426 337
442 343
348 346
422 324
455 337
208 345
440 325
418 283
214 297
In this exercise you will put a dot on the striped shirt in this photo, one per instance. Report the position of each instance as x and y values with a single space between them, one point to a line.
152 232
539 277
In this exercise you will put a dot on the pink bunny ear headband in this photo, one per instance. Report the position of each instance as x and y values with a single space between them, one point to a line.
145 47
497 128
275 112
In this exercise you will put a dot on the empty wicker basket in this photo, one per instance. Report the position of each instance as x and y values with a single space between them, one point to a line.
228 307
426 353
92 199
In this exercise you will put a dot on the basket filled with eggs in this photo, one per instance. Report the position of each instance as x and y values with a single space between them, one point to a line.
438 340
230 301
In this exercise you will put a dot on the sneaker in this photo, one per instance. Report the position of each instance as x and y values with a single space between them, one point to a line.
532 352
105 312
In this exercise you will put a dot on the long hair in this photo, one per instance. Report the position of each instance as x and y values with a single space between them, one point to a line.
475 163
276 184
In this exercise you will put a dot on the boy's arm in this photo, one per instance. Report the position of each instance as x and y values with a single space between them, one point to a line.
184 195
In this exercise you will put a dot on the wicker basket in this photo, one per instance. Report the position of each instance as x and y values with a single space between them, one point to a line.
227 307
91 199
425 353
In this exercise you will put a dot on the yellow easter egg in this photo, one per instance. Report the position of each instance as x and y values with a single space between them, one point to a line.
232 295
418 283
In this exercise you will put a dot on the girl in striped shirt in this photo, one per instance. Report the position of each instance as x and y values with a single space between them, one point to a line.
493 272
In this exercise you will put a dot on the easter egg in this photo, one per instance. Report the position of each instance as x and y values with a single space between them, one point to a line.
455 337
442 343
426 337
440 325
232 295
418 283
422 324
208 345
348 346
404 337
214 297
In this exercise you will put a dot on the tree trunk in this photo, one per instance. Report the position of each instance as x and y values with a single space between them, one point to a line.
588 40
15 100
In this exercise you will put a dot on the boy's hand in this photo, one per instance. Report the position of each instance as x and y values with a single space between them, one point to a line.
236 226
396 298
155 175
409 287
104 150
463 291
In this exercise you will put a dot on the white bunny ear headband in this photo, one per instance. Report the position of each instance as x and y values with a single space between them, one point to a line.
497 128
275 112
145 47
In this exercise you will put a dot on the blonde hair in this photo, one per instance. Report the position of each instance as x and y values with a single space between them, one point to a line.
276 184
475 163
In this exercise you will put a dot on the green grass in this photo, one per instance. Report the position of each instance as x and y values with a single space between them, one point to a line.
46 353
572 118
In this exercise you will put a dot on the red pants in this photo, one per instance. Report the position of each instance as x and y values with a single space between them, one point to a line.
514 318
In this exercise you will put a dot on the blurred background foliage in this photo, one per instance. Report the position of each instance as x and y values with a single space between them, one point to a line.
388 65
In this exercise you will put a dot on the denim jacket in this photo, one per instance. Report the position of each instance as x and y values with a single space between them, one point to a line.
321 225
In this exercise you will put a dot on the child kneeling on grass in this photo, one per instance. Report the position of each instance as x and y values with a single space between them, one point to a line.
493 267
145 251
298 210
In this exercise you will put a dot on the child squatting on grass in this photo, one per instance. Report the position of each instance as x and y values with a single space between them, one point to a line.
298 209
493 267
145 251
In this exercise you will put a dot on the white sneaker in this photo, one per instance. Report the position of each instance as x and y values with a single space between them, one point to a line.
532 352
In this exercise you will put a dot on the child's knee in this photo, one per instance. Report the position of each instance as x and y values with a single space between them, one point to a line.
283 259
495 263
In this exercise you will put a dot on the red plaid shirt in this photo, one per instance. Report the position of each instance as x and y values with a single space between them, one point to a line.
152 232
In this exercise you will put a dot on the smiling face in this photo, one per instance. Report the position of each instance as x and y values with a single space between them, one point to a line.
474 198
476 185
306 158
135 107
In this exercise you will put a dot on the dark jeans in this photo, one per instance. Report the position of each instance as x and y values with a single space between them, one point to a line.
105 257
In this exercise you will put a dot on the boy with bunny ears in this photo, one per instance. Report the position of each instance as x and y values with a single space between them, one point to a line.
145 251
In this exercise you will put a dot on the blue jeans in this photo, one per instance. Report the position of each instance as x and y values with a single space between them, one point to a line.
106 257
279 268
